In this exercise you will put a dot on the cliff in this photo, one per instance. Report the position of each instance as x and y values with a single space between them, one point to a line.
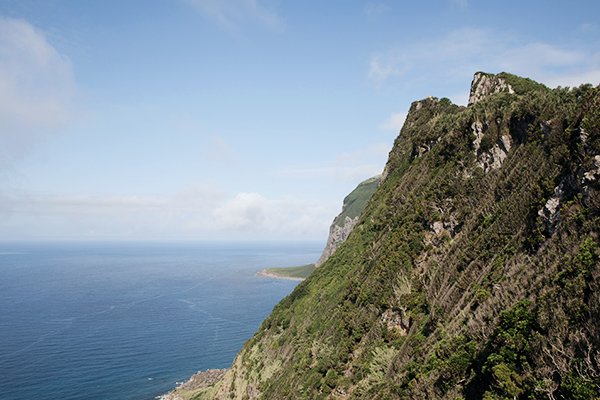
340 229
342 225
471 274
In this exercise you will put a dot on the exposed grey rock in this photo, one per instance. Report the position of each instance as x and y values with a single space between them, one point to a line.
441 230
484 85
203 379
478 129
197 381
396 320
252 391
494 157
592 176
550 213
337 236
425 147
437 227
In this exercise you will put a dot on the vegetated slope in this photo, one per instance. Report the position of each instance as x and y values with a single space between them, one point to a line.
342 225
356 201
472 273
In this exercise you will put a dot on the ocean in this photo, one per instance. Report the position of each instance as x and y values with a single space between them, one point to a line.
127 320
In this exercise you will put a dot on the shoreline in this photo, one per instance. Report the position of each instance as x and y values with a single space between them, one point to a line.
201 380
271 275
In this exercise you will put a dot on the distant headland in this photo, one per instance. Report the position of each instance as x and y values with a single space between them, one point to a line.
340 229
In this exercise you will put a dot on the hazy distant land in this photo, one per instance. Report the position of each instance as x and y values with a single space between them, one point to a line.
292 273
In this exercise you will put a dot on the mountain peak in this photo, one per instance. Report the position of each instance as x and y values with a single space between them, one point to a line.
485 84
473 271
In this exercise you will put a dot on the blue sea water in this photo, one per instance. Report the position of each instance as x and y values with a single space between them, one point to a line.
129 320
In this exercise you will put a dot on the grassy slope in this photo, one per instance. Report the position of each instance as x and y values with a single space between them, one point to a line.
506 308
355 202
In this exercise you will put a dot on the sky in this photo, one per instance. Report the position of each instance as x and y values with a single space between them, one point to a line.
239 119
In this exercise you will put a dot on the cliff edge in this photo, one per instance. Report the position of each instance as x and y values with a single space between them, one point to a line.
342 225
472 273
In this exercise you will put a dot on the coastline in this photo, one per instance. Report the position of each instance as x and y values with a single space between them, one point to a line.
199 382
271 275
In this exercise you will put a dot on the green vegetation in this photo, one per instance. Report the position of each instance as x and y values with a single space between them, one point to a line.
356 201
523 85
458 282
302 271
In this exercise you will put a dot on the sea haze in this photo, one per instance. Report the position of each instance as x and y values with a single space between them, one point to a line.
128 320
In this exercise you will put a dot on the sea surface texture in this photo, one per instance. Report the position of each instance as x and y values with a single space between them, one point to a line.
129 320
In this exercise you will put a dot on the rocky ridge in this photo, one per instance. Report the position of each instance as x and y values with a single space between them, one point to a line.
472 273
484 85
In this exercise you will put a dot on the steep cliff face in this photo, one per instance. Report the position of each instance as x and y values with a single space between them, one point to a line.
472 273
342 225
485 84
337 236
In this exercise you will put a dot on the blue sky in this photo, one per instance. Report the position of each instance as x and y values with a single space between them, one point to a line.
239 119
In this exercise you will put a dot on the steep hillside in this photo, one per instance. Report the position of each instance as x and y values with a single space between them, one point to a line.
340 228
342 225
472 273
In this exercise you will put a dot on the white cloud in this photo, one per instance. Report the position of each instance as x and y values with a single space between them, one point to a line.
231 14
198 211
394 122
244 212
462 52
37 88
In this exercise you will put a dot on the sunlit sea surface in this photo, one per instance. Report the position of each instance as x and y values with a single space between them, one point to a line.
129 320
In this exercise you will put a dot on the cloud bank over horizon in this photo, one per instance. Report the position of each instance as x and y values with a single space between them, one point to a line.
245 119
197 212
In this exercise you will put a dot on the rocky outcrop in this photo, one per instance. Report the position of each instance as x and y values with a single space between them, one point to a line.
550 214
592 175
455 284
484 85
343 224
396 320
201 380
492 158
337 236
340 229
